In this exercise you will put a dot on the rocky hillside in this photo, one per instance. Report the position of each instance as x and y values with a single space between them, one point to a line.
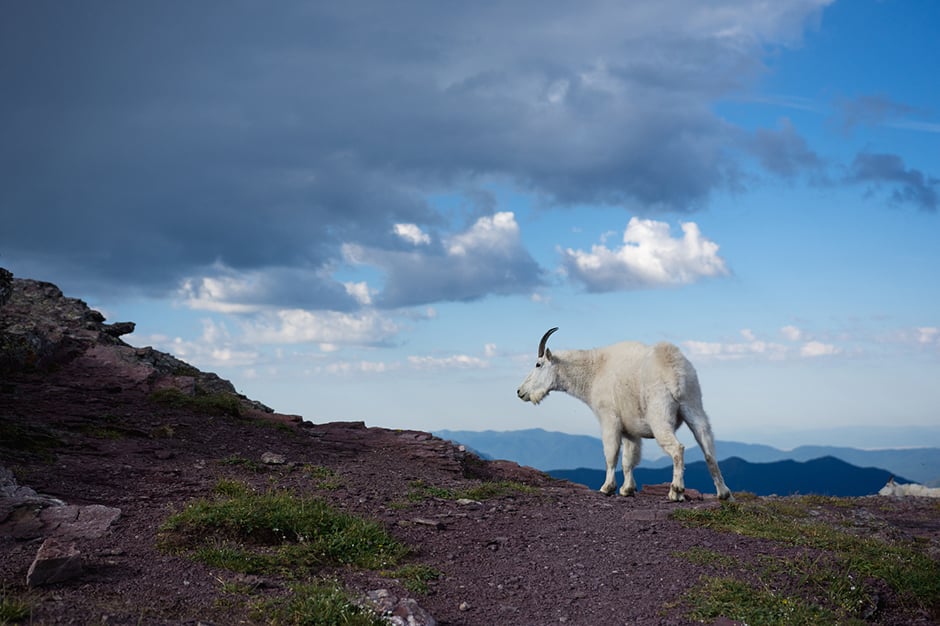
136 489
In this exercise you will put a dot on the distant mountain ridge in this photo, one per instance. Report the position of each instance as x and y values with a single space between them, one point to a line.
548 451
827 476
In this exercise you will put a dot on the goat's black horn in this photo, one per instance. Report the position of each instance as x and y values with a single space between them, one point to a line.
545 339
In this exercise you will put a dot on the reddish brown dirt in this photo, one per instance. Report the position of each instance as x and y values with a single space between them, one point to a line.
561 554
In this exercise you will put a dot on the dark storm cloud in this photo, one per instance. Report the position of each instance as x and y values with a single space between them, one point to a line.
784 152
905 185
145 143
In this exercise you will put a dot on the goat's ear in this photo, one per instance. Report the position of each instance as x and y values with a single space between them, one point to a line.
548 354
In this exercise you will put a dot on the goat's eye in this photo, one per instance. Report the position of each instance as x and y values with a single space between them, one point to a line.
538 365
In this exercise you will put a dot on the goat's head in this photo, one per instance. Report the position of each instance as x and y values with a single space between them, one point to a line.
542 378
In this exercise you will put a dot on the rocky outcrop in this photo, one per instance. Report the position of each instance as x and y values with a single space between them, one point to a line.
42 330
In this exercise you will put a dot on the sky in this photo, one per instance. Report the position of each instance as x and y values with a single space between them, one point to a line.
373 211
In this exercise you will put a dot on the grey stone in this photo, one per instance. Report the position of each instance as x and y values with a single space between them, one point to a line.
398 611
272 458
78 522
54 563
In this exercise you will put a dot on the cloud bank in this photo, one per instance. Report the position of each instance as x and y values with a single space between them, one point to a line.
160 144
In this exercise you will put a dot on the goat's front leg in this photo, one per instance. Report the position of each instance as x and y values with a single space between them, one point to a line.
610 435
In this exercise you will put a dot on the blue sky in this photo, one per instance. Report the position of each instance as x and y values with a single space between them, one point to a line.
362 211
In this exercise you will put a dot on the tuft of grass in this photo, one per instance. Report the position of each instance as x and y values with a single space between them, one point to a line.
415 577
850 564
13 609
488 490
320 603
726 596
704 556
419 491
166 431
324 477
210 403
27 439
236 460
276 530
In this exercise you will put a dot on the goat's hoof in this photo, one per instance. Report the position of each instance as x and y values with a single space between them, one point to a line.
628 491
726 496
608 489
676 495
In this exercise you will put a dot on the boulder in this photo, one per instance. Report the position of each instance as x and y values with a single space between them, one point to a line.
78 522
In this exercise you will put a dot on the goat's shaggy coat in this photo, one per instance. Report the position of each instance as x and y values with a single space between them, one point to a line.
636 391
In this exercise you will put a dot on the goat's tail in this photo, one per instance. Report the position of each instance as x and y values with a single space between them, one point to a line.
676 371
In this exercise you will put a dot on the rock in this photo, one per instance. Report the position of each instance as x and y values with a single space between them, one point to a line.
118 328
272 458
78 522
6 285
54 563
41 330
436 524
662 490
398 611
20 507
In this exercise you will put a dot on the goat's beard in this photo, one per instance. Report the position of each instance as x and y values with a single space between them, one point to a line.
537 397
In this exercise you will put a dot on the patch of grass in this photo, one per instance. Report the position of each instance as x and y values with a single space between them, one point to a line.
849 563
324 477
234 460
233 557
13 609
185 369
102 431
419 491
320 603
704 556
729 597
415 577
210 403
488 490
282 530
28 439
165 431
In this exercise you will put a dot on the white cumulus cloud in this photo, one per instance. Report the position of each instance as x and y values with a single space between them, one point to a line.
486 258
412 233
818 348
457 361
322 327
649 257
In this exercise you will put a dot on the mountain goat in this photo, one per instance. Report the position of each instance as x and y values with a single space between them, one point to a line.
636 391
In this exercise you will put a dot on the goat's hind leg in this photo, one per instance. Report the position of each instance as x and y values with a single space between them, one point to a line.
630 459
664 430
701 429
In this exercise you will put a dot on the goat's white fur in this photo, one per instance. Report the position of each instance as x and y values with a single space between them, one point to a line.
909 489
636 391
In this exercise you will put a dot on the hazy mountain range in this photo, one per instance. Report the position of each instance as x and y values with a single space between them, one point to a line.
552 451
827 476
